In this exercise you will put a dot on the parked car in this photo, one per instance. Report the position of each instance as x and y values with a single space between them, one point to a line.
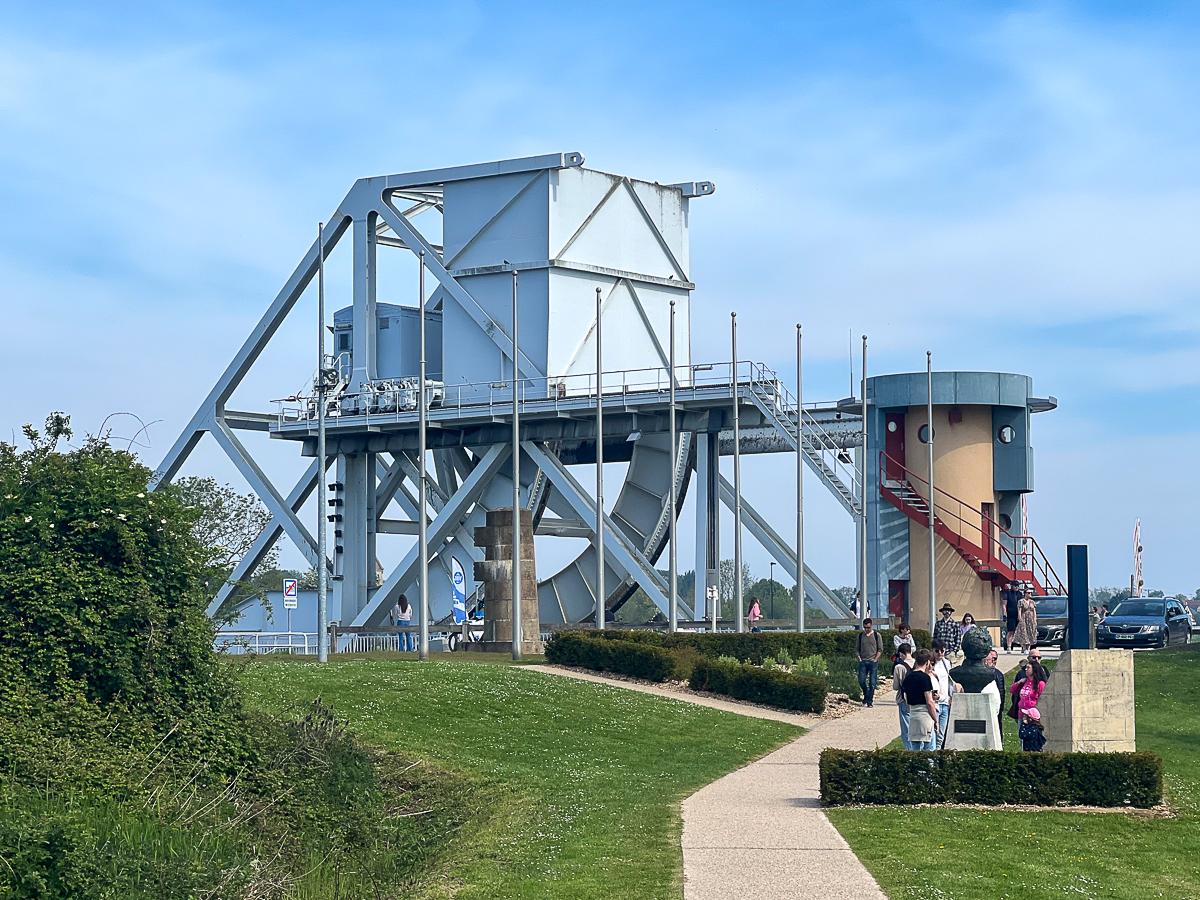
1145 622
1192 618
1052 621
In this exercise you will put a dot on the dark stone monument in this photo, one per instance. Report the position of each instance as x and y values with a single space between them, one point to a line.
973 674
974 722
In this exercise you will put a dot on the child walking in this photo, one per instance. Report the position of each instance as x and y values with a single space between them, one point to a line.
1033 738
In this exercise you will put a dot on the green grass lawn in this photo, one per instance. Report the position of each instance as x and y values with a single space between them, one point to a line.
973 855
576 786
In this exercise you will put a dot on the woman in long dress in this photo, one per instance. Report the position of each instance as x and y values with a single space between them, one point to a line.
1026 634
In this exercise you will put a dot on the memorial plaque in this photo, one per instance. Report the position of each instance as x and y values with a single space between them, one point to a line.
970 726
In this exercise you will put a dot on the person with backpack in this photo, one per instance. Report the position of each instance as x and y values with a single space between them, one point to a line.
904 665
870 648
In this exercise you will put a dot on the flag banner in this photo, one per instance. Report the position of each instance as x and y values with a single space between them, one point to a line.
458 580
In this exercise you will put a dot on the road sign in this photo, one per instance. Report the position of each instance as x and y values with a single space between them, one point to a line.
291 593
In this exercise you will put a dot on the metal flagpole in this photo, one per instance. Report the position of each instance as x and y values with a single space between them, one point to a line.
737 487
799 480
932 496
322 504
673 561
600 592
865 609
516 480
422 538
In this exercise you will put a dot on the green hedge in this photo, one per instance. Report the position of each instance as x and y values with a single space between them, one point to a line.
903 777
754 646
771 687
590 651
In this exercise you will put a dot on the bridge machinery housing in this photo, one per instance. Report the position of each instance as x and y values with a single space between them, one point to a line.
567 231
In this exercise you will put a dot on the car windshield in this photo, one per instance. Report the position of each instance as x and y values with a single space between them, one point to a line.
1138 608
1052 606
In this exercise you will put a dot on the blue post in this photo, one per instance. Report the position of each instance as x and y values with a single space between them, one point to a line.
1078 628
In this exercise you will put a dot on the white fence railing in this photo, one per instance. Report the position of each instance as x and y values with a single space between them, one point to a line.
236 643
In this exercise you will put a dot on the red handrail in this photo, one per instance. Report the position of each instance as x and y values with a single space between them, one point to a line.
988 528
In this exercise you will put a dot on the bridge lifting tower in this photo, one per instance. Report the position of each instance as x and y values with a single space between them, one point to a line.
567 230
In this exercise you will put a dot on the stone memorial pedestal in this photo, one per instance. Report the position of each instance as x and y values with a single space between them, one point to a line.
495 573
973 724
1088 703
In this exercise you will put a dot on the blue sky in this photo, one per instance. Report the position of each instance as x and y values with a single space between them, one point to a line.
1013 186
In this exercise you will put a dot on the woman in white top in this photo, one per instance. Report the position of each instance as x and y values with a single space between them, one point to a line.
402 614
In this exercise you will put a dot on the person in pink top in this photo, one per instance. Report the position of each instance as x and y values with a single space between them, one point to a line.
754 614
1029 684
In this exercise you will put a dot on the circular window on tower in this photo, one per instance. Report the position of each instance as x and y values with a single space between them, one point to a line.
1006 434
892 426
1006 521
923 434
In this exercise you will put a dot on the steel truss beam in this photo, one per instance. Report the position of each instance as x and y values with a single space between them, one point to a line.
621 552
761 529
369 204
445 522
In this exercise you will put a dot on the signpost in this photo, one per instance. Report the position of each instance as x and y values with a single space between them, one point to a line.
291 598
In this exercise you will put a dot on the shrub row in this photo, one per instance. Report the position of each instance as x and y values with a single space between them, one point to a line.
990 776
589 650
772 687
754 646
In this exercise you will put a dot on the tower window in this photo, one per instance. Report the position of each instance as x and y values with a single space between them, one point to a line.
1006 434
923 434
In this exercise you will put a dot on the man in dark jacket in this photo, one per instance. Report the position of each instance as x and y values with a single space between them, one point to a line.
1010 596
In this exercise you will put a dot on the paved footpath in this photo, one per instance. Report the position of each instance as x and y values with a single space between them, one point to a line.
760 832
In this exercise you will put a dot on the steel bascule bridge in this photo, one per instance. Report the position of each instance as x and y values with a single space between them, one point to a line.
568 231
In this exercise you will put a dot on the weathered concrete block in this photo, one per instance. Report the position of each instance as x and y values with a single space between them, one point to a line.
1088 703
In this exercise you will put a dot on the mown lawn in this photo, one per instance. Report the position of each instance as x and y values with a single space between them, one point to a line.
986 855
576 786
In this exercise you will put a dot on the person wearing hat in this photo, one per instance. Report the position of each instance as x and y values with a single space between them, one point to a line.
947 630
1033 738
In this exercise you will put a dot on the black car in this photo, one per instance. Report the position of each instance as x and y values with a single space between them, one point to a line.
1052 621
1144 622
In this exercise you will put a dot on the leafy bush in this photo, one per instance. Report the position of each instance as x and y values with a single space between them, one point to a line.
129 765
594 650
756 646
809 665
843 677
777 688
990 777
784 658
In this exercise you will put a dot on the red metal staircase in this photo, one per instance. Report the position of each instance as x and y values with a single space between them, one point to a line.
993 553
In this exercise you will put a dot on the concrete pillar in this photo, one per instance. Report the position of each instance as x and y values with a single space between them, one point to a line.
495 572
